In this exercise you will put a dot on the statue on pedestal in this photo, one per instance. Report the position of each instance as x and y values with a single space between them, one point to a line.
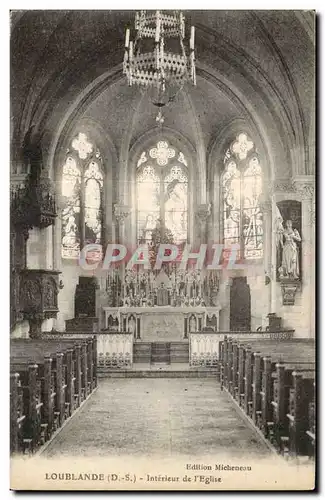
290 257
288 248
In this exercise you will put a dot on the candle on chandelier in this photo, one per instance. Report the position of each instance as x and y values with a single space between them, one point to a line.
131 51
157 28
127 38
192 38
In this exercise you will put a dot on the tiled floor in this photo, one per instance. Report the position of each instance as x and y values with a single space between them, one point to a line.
164 417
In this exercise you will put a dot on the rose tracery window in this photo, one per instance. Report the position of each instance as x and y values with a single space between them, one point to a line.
82 197
241 186
162 195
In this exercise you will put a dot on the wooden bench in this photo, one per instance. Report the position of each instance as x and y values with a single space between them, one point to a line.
17 415
258 375
31 428
78 364
311 431
52 374
300 397
91 350
283 382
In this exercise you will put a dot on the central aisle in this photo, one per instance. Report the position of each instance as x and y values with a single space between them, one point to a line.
162 416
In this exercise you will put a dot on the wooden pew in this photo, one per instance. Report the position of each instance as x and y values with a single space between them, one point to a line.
51 372
240 362
31 401
85 362
68 356
253 368
91 348
71 377
80 372
248 372
264 366
56 375
300 396
311 432
17 416
283 382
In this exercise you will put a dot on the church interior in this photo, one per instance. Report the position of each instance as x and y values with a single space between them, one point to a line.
194 132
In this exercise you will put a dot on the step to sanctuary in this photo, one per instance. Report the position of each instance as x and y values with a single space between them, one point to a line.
160 352
159 370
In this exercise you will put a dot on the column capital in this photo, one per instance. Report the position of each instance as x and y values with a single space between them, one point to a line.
283 186
301 185
305 186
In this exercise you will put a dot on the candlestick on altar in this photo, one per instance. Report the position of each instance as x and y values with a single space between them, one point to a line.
127 38
157 28
192 38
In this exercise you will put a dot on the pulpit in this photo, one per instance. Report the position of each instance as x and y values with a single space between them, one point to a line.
38 297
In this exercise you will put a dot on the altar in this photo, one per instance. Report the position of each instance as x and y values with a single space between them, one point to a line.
161 323
165 305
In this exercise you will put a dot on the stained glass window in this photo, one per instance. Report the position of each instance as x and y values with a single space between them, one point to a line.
148 202
93 203
82 193
162 195
241 184
71 182
175 203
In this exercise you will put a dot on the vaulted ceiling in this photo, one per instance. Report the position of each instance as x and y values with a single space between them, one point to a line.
251 65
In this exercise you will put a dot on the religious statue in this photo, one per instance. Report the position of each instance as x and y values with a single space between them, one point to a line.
192 324
287 239
131 325
162 296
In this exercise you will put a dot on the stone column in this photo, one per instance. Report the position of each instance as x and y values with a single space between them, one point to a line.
273 307
304 186
266 207
121 212
202 214
313 270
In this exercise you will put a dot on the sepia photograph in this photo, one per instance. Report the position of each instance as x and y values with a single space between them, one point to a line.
162 250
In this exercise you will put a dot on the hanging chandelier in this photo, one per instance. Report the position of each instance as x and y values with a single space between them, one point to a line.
156 61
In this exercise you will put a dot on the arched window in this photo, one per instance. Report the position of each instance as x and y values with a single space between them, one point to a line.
241 187
82 195
162 195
